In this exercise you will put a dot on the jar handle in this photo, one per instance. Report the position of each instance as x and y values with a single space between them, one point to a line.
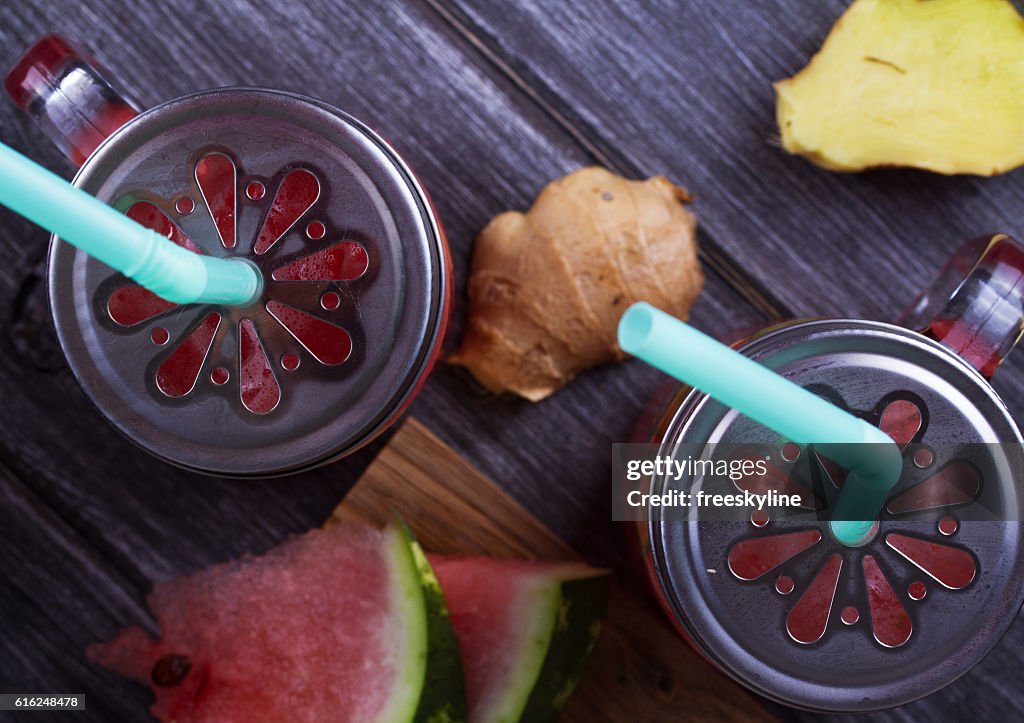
975 306
67 96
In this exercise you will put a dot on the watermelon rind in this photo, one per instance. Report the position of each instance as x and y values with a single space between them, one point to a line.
561 618
444 694
582 607
408 626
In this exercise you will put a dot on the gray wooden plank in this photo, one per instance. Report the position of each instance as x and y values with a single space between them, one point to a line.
57 596
480 148
684 88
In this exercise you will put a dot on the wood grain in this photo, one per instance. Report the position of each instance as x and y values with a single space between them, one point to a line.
685 89
480 147
56 593
639 670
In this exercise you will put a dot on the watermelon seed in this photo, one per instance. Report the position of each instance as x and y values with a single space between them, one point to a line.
170 670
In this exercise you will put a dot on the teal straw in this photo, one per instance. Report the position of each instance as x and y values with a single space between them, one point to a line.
770 399
153 260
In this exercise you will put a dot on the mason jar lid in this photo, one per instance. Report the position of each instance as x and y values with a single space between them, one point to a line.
782 606
354 299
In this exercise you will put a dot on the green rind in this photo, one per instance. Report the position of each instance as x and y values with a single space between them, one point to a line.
539 618
566 607
444 693
584 602
411 610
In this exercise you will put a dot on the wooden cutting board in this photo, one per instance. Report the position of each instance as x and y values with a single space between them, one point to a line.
640 669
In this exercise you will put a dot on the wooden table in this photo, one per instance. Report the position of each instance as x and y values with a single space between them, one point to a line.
488 101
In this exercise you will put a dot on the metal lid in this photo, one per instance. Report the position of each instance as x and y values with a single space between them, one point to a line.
354 296
826 627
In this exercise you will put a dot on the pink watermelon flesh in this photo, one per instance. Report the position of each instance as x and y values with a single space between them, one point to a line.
493 604
304 633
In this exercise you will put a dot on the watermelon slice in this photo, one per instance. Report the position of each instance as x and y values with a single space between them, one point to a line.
525 630
341 624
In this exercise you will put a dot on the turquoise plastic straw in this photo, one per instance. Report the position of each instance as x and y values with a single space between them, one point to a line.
871 457
154 261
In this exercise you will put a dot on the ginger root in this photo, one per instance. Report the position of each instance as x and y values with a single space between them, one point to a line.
547 287
931 84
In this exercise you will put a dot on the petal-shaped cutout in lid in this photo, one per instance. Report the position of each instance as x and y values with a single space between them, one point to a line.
751 558
298 191
216 176
258 387
890 623
345 261
955 484
808 620
329 344
134 304
178 373
150 216
901 420
950 566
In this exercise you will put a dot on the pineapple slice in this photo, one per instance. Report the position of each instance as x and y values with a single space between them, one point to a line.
931 84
